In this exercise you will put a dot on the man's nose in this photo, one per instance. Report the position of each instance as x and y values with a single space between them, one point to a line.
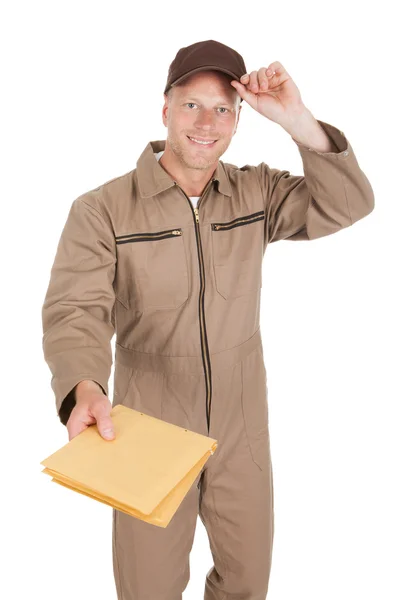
205 119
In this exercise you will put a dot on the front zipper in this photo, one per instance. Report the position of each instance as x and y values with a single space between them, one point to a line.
144 237
257 216
202 320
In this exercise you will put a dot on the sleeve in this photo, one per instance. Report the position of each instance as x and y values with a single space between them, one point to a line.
77 312
332 194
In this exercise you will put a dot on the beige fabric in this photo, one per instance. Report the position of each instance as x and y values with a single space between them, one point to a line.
181 289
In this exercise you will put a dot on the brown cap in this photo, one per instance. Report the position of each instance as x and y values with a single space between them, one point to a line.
205 56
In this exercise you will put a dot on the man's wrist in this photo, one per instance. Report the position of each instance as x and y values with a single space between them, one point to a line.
305 130
87 385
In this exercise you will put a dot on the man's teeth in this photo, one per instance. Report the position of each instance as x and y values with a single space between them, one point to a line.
199 142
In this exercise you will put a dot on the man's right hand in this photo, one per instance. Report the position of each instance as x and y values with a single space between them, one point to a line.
92 406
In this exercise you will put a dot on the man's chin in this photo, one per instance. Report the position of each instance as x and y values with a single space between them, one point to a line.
206 157
199 162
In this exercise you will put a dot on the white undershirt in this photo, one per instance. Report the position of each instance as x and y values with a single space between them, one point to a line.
193 199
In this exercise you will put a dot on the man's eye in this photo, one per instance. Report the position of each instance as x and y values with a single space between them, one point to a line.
221 107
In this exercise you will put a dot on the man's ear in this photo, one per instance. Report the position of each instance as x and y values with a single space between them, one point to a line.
165 110
238 118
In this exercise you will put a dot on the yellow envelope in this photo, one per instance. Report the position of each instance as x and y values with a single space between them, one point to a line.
146 471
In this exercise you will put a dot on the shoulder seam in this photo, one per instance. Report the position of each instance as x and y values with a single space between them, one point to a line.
91 207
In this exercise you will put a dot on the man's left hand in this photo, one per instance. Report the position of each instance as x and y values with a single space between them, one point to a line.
272 93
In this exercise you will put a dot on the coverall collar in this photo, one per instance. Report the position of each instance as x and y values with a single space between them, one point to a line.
153 179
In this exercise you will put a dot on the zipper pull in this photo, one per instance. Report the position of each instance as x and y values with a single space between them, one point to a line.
197 215
176 232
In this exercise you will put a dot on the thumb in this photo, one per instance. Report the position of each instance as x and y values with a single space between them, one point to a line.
104 421
244 92
106 428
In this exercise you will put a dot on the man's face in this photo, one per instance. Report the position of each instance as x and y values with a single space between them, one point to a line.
204 107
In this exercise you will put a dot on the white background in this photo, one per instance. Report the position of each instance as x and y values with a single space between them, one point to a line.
82 93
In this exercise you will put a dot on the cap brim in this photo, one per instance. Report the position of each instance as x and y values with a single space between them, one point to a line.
205 68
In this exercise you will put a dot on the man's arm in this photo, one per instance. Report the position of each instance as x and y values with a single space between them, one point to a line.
332 194
77 309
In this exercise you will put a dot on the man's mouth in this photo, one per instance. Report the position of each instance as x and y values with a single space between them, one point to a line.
205 143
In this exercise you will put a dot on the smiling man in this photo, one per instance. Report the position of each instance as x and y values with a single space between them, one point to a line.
201 114
169 257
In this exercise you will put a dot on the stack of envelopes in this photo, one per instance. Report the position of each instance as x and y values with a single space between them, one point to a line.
145 471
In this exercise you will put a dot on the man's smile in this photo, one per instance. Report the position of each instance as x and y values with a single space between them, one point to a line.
205 143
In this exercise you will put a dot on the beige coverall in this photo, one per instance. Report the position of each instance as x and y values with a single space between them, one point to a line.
180 287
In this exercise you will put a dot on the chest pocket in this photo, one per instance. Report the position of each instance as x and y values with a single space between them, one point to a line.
152 270
238 254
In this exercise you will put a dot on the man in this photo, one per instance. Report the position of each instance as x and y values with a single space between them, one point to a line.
169 257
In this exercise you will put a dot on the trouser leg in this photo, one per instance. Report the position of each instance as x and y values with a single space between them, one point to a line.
151 562
236 495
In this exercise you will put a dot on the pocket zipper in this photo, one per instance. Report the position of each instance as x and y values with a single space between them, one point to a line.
257 216
144 237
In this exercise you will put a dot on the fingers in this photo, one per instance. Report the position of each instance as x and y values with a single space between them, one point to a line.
259 81
253 82
262 79
75 427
